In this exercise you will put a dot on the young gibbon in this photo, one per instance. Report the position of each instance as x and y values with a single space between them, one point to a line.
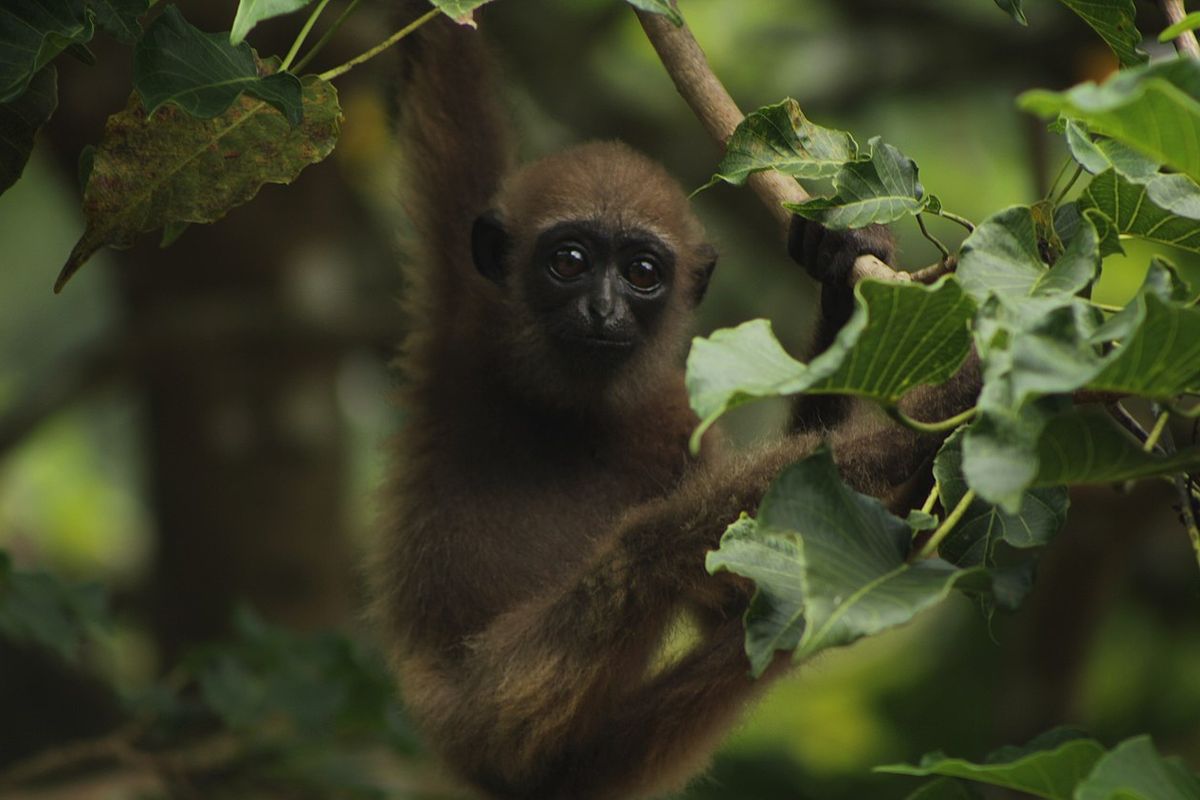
547 522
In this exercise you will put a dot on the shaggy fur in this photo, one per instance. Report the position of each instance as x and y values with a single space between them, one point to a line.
547 522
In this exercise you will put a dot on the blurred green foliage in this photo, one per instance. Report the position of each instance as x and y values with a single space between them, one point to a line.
937 78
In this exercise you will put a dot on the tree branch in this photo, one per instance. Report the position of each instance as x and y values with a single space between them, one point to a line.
1185 43
695 81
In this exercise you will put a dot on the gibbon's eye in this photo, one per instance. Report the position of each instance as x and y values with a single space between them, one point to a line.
568 262
643 274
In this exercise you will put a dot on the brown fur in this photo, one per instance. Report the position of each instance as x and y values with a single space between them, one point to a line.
548 525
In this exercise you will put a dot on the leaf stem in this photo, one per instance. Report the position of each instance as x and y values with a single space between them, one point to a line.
933 239
944 529
933 427
1074 177
1105 306
1156 432
338 71
1068 161
308 26
927 508
1185 43
327 35
966 223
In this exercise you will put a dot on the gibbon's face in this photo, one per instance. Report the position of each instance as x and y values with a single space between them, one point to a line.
598 290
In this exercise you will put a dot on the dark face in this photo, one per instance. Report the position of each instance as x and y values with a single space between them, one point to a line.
599 291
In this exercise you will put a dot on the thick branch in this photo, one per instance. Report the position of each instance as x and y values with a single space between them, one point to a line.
1185 43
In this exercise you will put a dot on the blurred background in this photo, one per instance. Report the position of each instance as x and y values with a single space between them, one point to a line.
203 427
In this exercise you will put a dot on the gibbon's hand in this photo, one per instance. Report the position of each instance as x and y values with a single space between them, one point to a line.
828 256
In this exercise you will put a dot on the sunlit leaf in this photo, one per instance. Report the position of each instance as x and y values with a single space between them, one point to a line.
1164 208
780 137
1099 155
32 33
829 565
1114 21
1002 257
901 335
21 119
1189 23
1155 108
461 11
1050 766
880 190
173 167
1134 770
203 73
252 12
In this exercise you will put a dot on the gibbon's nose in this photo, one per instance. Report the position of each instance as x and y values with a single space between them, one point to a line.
602 301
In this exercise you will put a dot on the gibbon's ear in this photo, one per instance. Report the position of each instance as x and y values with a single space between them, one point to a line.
706 254
489 246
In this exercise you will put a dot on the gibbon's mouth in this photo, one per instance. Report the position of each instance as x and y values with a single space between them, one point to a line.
601 342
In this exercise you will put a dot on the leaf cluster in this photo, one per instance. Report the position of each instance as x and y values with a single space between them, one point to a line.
1061 764
832 566
292 711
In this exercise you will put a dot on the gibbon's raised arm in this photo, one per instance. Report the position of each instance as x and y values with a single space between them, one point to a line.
547 522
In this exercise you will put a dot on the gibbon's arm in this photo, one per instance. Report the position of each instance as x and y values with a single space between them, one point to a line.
554 698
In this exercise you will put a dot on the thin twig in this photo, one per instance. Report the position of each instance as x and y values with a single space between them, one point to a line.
325 37
932 239
695 81
342 69
947 526
1189 509
300 37
1185 43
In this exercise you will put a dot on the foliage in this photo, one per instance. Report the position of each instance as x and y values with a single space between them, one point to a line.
209 121
1066 765
1021 292
292 710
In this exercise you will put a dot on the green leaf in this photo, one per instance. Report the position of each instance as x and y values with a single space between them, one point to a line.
1155 109
973 540
1114 21
1085 445
880 190
463 11
203 73
1164 208
1002 257
1189 23
901 335
119 18
1134 770
1161 357
32 33
781 138
664 7
252 12
1014 9
829 564
173 167
21 119
921 521
1097 156
1049 766
38 608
